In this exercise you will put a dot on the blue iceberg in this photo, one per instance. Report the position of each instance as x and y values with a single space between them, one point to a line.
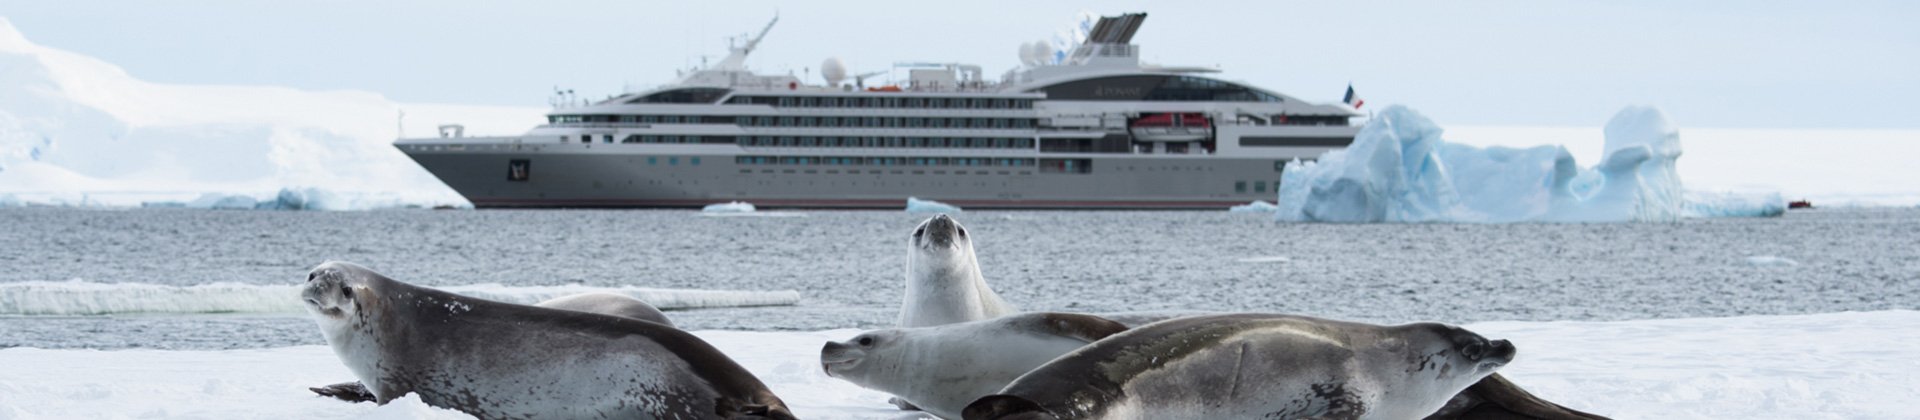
1399 169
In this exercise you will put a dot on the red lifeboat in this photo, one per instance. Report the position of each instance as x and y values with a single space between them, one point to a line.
1171 127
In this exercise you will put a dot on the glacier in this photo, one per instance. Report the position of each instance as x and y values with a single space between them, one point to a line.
1400 169
78 131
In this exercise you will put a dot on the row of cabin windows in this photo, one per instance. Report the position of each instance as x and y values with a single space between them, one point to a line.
672 160
1240 187
872 122
886 122
882 161
827 141
883 102
932 142
643 119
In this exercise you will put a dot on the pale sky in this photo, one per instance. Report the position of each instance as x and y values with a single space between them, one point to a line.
1737 64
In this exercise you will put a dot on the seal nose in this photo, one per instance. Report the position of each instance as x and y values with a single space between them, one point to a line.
1503 349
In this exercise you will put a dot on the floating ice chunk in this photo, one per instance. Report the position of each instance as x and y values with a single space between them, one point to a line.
1256 206
8 200
1266 259
90 298
733 207
916 205
1399 169
1728 204
1771 261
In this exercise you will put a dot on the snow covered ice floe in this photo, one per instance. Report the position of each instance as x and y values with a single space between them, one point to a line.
916 205
90 298
76 126
1399 169
1853 365
1256 206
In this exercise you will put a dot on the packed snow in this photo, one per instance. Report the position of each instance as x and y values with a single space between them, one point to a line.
1854 365
78 131
90 298
917 205
1400 169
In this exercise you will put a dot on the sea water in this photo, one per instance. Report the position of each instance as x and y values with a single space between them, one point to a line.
848 266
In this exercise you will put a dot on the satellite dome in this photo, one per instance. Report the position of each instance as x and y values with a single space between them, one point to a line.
833 70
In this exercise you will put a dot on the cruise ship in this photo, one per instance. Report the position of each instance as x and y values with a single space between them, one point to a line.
1085 127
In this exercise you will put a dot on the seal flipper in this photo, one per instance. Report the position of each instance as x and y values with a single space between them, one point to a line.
346 391
1005 407
1496 398
903 404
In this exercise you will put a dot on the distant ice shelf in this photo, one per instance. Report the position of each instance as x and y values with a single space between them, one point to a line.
1400 169
92 298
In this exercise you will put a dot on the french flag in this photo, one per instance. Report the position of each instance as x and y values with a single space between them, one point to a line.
1352 100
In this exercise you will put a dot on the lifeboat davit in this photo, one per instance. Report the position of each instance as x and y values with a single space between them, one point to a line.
1171 127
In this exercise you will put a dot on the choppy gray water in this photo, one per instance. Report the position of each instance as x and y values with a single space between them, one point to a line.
849 265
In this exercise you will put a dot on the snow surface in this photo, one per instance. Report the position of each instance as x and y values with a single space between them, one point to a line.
1852 365
1256 206
917 205
78 131
91 298
1399 169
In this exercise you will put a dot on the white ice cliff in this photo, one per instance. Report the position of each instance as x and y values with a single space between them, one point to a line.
74 129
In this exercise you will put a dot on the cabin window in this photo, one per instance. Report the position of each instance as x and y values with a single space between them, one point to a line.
1259 186
1240 187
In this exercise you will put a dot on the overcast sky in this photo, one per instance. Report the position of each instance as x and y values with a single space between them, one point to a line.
1756 64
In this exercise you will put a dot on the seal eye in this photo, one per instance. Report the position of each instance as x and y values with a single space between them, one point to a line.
921 231
866 341
346 292
963 231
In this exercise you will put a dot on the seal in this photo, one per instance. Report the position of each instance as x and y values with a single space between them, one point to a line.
944 285
1496 398
596 302
608 303
502 360
1254 366
941 369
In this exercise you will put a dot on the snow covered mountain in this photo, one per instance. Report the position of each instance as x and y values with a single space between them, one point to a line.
78 130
